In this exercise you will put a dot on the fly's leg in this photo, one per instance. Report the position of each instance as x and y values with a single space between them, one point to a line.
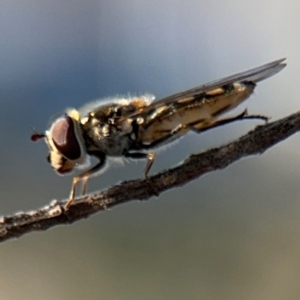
84 185
141 155
243 116
84 177
150 160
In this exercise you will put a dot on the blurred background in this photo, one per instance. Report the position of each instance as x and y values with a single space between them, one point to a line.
233 234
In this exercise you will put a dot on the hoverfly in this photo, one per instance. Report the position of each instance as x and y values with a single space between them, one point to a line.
132 127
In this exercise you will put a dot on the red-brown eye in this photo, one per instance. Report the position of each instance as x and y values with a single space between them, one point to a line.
64 138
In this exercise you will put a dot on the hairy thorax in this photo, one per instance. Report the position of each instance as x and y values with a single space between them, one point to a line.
107 136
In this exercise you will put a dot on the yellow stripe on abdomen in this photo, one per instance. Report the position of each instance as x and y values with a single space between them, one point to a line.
202 109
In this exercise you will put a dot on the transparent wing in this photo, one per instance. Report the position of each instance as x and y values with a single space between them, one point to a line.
254 75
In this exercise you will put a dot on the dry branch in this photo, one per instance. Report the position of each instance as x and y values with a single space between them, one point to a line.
254 142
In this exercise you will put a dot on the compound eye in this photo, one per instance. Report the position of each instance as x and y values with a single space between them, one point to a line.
65 139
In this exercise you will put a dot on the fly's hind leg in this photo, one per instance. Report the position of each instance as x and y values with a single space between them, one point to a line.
84 177
199 127
150 160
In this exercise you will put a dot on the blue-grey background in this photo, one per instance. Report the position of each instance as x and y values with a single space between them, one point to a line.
233 234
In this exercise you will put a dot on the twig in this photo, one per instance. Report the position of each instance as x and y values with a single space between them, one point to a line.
254 142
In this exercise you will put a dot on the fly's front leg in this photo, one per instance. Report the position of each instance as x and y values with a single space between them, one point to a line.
150 160
84 185
196 126
84 177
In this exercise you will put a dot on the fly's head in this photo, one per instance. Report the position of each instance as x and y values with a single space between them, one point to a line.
65 142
